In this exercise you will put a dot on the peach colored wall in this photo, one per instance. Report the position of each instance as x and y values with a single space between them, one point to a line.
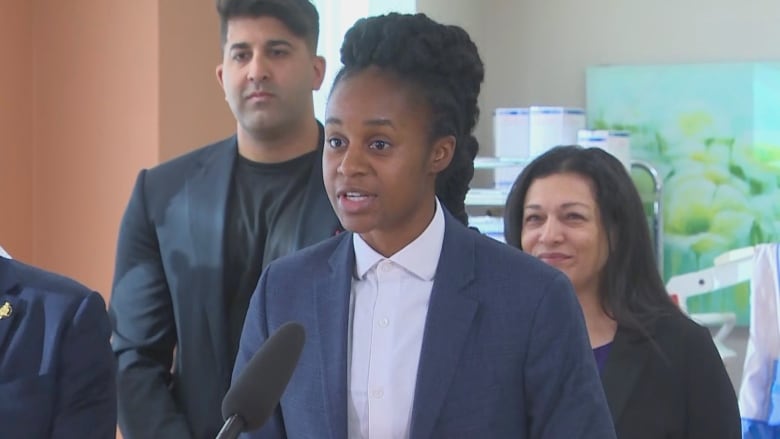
16 141
93 92
193 111
98 90
96 123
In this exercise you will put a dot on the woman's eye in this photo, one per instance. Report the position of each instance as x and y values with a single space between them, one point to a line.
531 218
379 145
335 142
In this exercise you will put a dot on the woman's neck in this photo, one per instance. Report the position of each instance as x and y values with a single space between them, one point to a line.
601 327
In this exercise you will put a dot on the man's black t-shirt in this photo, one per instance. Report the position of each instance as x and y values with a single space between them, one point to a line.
262 195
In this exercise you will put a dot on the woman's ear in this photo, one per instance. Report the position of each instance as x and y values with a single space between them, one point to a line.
441 153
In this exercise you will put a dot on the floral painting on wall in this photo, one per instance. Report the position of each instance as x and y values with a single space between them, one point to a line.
713 133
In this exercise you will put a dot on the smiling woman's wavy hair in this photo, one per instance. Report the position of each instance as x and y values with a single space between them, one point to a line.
632 291
443 65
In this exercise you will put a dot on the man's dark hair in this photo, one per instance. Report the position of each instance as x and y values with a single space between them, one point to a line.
444 66
300 16
632 291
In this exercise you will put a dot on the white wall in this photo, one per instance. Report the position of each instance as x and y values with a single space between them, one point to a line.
470 15
465 13
536 51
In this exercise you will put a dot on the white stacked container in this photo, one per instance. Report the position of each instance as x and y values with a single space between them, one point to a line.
617 143
553 126
510 133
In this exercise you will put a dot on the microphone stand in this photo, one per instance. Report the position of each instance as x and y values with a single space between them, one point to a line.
233 426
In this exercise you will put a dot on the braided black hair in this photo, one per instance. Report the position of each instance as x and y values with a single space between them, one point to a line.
443 63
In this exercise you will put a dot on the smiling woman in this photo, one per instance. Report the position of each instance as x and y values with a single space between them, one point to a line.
578 210
562 226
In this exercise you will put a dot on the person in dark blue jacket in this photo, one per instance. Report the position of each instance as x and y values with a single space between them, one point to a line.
57 370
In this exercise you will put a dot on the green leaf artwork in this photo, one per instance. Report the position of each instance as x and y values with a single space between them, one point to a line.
713 133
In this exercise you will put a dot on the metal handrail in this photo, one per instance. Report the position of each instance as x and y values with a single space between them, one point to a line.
658 219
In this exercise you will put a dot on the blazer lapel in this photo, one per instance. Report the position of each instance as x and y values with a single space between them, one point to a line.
10 308
450 315
623 369
207 197
332 308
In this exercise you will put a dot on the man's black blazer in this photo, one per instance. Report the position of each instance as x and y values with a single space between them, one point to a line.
168 291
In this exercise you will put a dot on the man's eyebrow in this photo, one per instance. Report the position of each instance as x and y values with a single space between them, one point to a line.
240 45
273 43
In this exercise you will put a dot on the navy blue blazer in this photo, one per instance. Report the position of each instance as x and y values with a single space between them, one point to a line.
505 351
57 370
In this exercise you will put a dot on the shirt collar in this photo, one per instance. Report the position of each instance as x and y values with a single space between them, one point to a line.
420 257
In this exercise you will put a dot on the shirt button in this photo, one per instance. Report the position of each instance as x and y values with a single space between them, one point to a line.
384 322
377 393
386 266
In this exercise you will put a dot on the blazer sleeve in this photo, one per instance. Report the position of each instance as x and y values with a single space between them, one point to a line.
711 403
86 401
144 333
564 396
253 335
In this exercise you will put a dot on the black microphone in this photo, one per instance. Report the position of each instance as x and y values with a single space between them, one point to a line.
254 395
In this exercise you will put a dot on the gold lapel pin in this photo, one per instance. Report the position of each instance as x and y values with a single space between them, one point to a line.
6 310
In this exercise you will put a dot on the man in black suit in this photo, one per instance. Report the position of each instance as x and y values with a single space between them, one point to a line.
198 229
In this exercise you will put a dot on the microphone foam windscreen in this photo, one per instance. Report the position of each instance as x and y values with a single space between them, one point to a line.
258 389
